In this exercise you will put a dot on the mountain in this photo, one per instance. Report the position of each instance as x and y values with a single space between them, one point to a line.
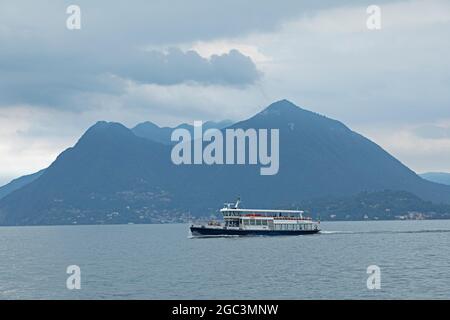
113 176
19 183
438 177
107 170
318 157
153 132
146 130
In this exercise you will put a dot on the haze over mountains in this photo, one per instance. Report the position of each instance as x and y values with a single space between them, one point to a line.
117 175
19 183
438 177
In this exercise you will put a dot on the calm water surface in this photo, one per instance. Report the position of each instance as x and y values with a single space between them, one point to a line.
161 261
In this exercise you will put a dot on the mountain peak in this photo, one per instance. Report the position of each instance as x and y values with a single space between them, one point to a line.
108 127
105 125
145 126
285 109
282 106
105 131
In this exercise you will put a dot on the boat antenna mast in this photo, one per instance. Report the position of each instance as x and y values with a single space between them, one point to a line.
301 213
236 206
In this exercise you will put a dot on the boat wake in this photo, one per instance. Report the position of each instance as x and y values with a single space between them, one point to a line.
335 232
331 232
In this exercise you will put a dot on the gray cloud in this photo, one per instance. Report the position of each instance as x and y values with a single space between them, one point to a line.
158 21
63 81
43 63
176 66
56 89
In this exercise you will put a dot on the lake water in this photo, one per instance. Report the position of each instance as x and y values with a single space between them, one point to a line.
162 262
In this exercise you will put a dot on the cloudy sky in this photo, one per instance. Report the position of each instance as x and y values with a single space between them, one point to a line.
177 61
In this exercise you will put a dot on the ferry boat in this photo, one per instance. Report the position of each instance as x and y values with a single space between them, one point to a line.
249 222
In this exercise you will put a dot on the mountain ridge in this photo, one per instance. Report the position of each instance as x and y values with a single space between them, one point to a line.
152 131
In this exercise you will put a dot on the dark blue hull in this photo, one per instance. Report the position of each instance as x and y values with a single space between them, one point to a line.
205 231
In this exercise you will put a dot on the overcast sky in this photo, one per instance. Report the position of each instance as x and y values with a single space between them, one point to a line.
179 61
